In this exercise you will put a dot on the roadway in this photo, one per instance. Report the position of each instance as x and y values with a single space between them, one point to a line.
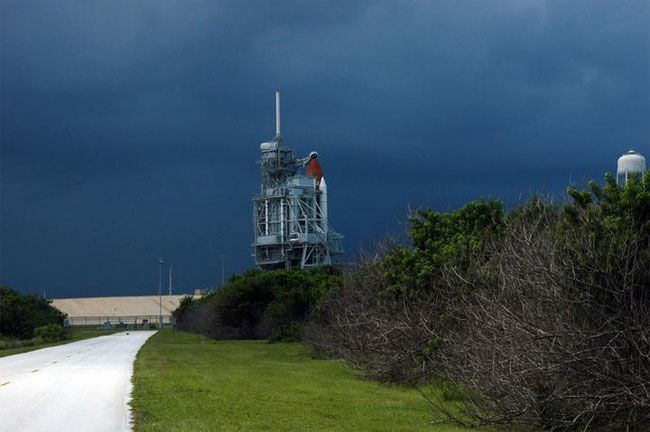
80 386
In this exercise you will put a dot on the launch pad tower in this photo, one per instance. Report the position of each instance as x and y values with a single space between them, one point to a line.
290 218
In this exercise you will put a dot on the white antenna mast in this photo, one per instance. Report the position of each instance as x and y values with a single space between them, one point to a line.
277 114
170 280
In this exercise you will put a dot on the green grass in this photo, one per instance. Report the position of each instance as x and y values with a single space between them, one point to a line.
184 382
76 334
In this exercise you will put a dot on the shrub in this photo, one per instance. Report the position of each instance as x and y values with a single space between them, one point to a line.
51 333
442 240
389 317
561 341
291 332
20 313
540 316
386 336
10 343
258 304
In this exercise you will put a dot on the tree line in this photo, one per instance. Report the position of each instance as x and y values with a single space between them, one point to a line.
538 316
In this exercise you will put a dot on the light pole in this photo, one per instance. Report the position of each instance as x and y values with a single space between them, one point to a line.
170 280
160 290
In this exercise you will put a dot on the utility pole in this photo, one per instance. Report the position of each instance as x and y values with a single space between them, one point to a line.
170 280
160 291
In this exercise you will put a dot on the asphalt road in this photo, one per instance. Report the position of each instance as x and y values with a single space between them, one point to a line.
80 386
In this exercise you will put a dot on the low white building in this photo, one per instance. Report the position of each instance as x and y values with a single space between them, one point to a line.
128 309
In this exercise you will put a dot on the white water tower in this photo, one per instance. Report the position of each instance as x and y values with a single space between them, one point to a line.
629 163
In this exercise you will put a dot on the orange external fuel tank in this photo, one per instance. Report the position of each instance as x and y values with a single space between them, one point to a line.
314 170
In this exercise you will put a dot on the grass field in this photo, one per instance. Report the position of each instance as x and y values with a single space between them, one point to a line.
76 333
184 382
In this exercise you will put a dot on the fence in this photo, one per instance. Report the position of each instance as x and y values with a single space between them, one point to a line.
135 321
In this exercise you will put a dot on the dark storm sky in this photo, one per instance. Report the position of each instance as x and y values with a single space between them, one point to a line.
130 129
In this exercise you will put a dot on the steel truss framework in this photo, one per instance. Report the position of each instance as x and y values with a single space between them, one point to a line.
289 227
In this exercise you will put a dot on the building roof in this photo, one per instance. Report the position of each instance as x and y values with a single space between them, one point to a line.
117 306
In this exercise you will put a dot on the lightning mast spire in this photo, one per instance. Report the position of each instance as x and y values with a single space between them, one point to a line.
277 114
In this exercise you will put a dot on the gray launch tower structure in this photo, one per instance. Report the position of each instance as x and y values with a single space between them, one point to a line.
290 216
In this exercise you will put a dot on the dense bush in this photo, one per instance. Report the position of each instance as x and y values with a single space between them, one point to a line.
540 316
562 340
440 241
16 343
384 334
50 333
390 315
20 313
258 305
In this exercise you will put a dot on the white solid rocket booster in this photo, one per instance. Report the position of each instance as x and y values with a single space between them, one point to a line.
323 204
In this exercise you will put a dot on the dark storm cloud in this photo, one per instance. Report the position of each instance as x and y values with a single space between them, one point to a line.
130 129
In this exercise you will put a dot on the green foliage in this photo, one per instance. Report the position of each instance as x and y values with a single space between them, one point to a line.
612 205
50 332
180 313
291 332
443 240
258 304
604 228
20 313
9 344
433 345
535 214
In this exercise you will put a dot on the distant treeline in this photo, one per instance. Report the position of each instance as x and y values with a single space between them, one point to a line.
21 314
537 316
